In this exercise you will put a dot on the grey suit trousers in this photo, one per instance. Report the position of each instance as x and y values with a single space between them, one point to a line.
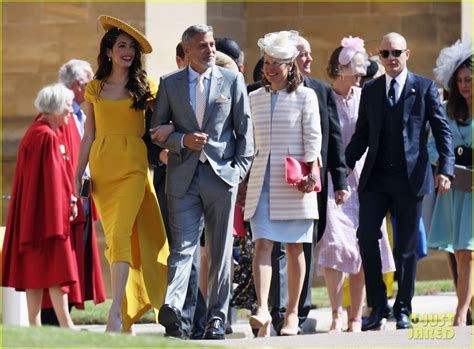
211 197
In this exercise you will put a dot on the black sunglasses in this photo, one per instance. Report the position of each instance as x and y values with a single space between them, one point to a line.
395 53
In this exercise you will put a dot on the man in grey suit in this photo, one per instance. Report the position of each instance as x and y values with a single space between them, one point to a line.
210 152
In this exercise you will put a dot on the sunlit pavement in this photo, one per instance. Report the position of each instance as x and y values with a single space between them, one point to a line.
431 331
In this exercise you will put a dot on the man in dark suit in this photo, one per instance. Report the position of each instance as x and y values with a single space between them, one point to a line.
332 153
394 111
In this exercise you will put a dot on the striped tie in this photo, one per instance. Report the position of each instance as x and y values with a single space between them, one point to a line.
201 100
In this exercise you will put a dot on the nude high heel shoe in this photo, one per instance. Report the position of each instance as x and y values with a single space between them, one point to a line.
262 324
354 325
336 325
288 330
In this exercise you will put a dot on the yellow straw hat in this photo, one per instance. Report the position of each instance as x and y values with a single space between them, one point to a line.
109 22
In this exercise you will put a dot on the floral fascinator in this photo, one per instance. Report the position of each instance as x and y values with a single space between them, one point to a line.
350 46
352 57
280 45
450 58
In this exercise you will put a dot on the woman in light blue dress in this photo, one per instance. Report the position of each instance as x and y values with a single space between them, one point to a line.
286 123
451 225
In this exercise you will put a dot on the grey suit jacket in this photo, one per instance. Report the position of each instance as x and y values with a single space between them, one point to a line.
227 122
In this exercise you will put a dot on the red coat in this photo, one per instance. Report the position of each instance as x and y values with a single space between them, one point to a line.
87 254
38 251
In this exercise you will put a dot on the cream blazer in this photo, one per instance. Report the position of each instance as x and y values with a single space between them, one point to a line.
295 130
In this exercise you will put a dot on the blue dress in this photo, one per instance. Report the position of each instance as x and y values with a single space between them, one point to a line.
451 223
294 231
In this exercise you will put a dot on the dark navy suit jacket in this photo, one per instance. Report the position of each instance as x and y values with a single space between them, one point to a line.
332 148
421 106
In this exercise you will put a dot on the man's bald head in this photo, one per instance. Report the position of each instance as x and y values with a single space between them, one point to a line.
395 37
393 53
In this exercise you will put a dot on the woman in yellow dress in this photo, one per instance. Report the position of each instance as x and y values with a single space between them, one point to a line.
136 245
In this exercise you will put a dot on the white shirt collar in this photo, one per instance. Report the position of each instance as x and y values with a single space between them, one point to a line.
193 75
400 78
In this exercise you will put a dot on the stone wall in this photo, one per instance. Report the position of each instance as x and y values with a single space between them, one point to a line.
427 26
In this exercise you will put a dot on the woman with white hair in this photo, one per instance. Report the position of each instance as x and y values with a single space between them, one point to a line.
286 123
37 250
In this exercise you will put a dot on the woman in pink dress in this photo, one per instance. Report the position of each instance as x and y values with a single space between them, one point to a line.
339 251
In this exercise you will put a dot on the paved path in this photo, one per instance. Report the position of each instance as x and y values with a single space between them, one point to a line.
318 324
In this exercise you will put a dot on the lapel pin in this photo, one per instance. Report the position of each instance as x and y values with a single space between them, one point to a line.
413 90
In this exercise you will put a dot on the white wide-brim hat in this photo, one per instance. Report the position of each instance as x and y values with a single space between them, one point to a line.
450 58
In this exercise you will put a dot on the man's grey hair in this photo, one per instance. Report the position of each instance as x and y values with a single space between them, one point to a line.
52 99
73 70
189 33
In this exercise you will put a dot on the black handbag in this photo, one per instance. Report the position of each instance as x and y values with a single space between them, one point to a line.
463 155
462 179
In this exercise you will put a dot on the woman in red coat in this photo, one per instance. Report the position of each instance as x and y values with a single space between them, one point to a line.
37 251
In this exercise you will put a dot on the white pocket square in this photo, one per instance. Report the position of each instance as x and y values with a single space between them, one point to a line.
222 99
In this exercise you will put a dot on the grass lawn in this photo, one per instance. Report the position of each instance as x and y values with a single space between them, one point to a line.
97 314
53 337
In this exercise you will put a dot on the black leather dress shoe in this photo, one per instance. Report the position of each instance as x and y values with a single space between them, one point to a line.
215 329
403 322
376 316
277 325
170 318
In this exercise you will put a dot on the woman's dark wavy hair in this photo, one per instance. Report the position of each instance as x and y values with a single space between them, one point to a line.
294 79
333 65
137 84
457 108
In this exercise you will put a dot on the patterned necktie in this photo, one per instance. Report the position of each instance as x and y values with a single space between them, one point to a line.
201 101
80 123
79 114
391 93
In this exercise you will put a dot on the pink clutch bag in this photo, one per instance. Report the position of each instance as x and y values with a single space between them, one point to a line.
239 228
297 169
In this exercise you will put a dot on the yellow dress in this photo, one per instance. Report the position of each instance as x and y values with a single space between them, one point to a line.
126 200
